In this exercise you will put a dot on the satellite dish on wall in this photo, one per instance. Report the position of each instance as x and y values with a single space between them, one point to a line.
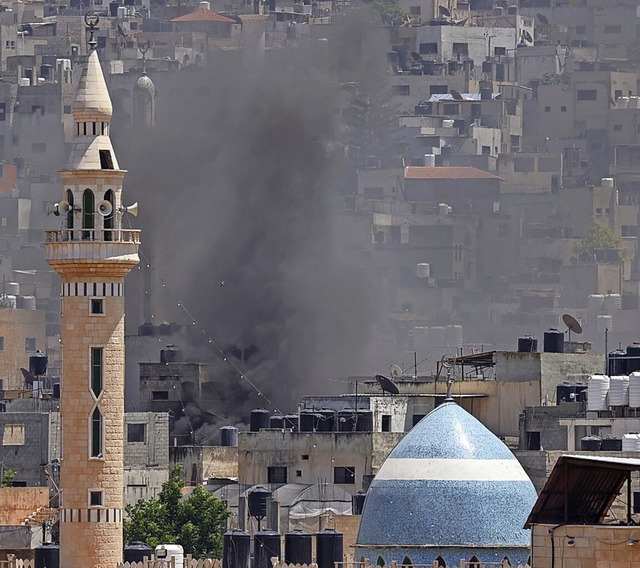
387 385
105 208
542 19
572 324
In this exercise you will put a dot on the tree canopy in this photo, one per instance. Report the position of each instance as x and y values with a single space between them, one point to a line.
600 237
196 522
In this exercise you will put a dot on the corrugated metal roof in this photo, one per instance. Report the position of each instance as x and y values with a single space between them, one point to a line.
581 489
201 14
465 97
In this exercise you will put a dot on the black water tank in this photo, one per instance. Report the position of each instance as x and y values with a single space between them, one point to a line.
147 330
565 393
591 444
137 551
164 329
291 421
257 501
617 363
347 420
170 355
229 436
329 548
611 445
357 502
276 421
56 391
297 547
266 545
633 358
365 421
553 341
486 93
113 9
527 344
326 420
47 556
259 419
38 363
236 549
308 419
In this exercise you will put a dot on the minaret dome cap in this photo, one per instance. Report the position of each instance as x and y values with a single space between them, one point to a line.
92 102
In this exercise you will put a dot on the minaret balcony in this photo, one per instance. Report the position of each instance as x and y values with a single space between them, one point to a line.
116 245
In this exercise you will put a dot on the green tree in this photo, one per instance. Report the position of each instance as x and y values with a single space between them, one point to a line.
7 477
600 237
196 522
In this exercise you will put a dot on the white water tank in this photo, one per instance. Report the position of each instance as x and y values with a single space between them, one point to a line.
595 302
420 338
633 102
26 302
12 288
634 390
597 390
167 551
423 270
619 390
604 322
607 182
204 4
430 160
8 301
612 303
447 123
622 102
631 442
437 336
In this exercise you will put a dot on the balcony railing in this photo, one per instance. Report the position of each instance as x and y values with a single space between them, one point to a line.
93 235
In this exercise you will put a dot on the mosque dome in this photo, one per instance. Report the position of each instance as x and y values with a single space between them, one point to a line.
450 490
145 85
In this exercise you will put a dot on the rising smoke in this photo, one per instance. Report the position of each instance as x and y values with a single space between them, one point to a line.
238 185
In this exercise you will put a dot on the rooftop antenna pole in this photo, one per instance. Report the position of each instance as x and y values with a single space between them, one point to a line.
449 383
415 365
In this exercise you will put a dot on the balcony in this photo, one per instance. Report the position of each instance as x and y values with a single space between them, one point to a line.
119 246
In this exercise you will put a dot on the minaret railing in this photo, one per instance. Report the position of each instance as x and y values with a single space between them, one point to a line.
93 235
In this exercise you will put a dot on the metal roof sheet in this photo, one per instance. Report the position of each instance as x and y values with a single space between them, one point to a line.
465 97
581 489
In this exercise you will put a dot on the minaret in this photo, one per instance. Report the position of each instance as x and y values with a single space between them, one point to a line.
92 253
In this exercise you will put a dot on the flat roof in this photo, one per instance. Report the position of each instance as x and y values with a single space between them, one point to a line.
447 172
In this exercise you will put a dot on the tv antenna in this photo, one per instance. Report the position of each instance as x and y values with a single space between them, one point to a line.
572 325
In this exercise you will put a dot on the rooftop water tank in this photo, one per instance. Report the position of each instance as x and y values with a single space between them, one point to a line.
276 421
553 341
8 301
607 182
38 364
631 442
423 270
617 362
329 548
612 303
595 302
257 502
259 419
619 390
634 390
229 436
598 388
297 547
137 551
611 445
591 444
357 502
633 358
236 549
430 160
26 302
527 344
12 288
604 321
47 556
166 552
266 545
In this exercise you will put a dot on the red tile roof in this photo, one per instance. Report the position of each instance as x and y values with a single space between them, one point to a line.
203 15
443 172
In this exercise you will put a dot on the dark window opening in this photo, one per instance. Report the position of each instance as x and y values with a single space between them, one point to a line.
108 220
298 473
136 432
95 498
533 440
406 561
305 456
426 48
386 423
160 395
344 475
88 220
96 434
97 306
106 162
587 95
277 474
96 370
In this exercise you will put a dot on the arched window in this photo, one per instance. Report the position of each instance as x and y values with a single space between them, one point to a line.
380 561
88 213
96 434
474 562
406 561
506 562
440 562
70 213
108 220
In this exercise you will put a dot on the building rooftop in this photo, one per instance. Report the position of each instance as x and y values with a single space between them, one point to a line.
203 15
445 172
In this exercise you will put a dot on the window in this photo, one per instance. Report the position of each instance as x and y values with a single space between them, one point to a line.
587 95
160 395
1 343
136 432
88 204
581 30
67 109
95 498
533 440
70 213
460 49
386 423
9 44
298 473
97 306
438 89
486 150
547 109
426 48
13 435
344 475
3 111
400 90
500 51
451 108
277 474
563 108
96 434
37 109
39 147
106 162
617 127
618 94
29 344
96 371
613 29
305 457
108 220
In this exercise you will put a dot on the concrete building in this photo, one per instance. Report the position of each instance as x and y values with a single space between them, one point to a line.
92 255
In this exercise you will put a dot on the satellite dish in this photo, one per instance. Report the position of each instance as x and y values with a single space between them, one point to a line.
456 95
28 377
572 323
131 209
387 385
444 12
542 19
416 57
63 207
396 371
527 36
105 208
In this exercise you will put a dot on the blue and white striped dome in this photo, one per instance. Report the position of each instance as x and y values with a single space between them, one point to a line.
449 489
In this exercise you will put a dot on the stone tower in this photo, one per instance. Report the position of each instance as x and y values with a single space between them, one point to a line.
92 253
